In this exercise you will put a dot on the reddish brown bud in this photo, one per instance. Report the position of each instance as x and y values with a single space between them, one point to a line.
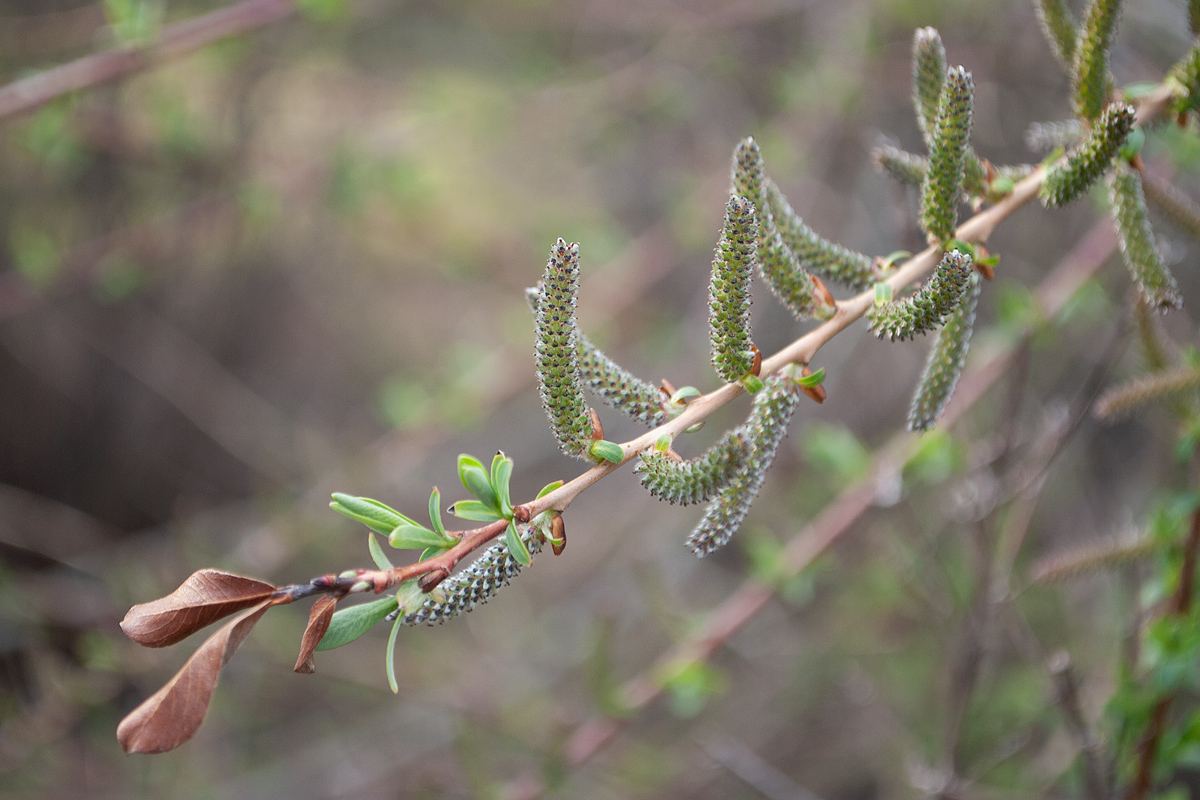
429 581
756 365
597 428
667 387
815 392
521 514
826 295
558 535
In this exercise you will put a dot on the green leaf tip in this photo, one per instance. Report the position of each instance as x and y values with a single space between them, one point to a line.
604 450
1068 180
1091 78
929 306
729 291
1136 238
697 480
557 352
946 361
372 513
764 430
948 151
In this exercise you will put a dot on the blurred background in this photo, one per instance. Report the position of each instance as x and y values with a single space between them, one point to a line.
292 263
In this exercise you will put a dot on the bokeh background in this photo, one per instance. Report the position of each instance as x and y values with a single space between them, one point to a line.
292 263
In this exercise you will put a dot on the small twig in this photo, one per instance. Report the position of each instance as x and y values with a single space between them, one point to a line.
1066 695
183 37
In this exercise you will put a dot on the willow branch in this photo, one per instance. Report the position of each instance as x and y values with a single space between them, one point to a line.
174 40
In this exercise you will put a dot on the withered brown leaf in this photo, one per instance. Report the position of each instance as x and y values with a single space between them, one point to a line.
318 623
173 714
204 598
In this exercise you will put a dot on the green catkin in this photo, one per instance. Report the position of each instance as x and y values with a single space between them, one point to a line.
1187 74
789 279
841 265
1136 237
929 306
905 167
697 480
1042 137
557 352
929 73
1091 558
1176 206
946 362
616 386
1068 180
944 179
1122 400
1059 28
487 575
729 292
1090 73
768 424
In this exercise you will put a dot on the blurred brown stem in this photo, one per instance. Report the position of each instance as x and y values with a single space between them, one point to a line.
174 40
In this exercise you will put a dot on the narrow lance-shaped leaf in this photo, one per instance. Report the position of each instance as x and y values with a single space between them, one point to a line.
476 584
697 480
785 269
1059 28
929 74
946 361
558 351
173 714
205 597
929 306
729 292
768 423
1068 180
1091 79
944 179
1136 237
350 623
319 617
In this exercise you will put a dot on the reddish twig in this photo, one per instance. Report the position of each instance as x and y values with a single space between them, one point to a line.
174 40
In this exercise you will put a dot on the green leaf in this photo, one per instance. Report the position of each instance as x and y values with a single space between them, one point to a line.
474 510
891 258
549 487
502 467
883 293
372 513
478 483
609 451
816 379
377 554
417 537
752 384
350 623
391 657
435 512
512 540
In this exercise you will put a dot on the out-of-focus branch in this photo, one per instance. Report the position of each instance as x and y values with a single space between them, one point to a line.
177 39
835 520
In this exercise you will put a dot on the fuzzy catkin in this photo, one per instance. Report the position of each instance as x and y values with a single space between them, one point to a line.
946 362
696 480
841 265
1177 207
1068 180
476 584
1136 237
768 424
1090 74
729 292
557 351
929 73
1059 28
905 167
943 183
1187 74
929 306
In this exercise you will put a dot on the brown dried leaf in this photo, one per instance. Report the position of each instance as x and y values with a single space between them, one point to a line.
173 714
318 623
204 598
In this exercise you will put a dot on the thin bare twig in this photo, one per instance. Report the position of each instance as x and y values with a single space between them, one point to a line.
175 40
